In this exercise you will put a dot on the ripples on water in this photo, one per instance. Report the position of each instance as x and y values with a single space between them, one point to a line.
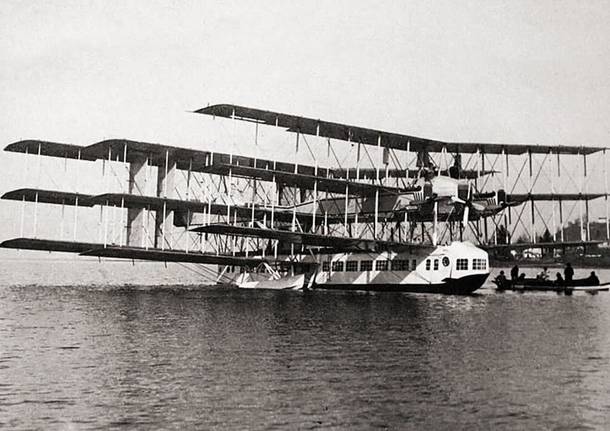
215 357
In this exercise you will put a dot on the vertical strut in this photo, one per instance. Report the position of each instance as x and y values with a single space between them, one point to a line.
163 227
23 216
553 199
296 154
505 187
606 195
229 190
273 202
315 202
376 214
36 198
105 224
561 217
346 207
582 182
76 204
584 167
531 186
380 156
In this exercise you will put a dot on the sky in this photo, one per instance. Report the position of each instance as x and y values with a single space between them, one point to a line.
491 71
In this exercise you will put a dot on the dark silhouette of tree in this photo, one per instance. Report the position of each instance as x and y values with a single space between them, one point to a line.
502 234
546 236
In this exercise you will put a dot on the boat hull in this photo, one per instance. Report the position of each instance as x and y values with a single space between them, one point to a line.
549 285
460 286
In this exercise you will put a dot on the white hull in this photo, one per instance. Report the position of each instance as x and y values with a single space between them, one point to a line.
457 268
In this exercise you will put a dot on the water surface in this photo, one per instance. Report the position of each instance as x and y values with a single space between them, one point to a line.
194 357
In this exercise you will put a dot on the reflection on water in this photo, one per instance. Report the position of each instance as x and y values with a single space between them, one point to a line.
215 357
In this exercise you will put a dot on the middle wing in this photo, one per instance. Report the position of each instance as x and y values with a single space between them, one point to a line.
515 198
309 239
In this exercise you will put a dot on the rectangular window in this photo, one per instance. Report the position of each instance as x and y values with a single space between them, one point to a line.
351 266
461 264
381 265
413 264
479 264
325 266
436 264
366 265
427 264
337 266
400 265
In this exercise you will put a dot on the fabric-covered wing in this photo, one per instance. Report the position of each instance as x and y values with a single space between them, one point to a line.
111 251
332 185
158 255
518 198
368 136
308 239
49 197
49 245
526 245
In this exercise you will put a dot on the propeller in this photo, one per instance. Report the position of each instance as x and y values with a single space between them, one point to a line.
468 201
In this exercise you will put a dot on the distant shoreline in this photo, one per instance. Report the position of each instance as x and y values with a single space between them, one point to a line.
592 263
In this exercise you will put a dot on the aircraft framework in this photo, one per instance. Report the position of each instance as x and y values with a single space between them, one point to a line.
402 192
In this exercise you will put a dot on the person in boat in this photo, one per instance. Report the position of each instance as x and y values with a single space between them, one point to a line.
558 279
521 277
568 272
544 274
501 279
514 273
593 280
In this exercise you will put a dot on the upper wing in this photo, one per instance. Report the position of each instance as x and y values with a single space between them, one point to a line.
204 161
327 129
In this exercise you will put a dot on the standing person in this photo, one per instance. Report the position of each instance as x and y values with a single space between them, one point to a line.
568 272
514 272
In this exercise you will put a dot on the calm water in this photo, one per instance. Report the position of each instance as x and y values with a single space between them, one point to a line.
84 357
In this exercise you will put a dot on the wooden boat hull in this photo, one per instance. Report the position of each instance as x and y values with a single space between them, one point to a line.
549 286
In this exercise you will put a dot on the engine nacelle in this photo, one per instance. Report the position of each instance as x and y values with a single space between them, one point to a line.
501 196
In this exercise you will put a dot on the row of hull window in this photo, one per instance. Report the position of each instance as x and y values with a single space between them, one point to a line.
367 265
477 264
391 265
460 264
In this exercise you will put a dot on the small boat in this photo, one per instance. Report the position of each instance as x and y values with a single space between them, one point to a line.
589 285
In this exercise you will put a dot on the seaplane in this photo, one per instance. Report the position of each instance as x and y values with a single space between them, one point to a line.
271 224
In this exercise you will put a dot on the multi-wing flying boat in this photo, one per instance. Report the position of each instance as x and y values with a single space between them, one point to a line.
403 216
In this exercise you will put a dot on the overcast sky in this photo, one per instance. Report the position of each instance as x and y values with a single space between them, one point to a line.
503 71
